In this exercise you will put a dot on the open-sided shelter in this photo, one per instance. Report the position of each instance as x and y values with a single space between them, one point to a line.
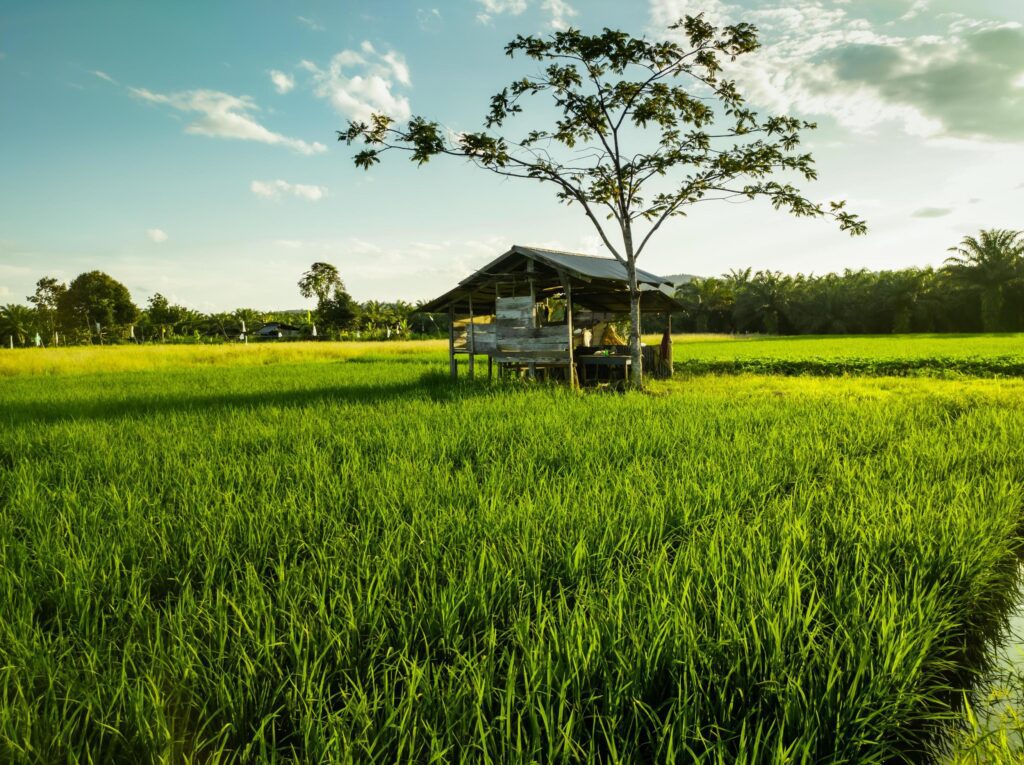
546 311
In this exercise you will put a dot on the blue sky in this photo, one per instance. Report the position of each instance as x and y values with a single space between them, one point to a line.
189 148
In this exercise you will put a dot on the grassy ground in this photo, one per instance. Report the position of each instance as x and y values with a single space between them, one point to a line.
231 555
974 355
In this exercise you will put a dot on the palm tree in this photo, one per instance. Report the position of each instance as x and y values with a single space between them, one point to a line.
761 303
708 302
17 321
988 264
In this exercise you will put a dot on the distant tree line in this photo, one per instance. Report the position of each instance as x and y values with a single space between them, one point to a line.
96 308
979 289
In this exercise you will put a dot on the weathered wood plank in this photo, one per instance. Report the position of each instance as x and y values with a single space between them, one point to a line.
560 360
551 330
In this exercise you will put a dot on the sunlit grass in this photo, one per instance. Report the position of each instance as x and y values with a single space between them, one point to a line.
239 561
135 358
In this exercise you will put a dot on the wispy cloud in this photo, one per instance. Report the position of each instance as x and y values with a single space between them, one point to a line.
156 235
278 188
492 8
104 76
222 115
282 82
429 19
360 83
559 11
316 26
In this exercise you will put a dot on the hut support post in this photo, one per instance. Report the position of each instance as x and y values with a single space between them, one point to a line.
494 328
471 339
532 366
573 382
668 361
452 367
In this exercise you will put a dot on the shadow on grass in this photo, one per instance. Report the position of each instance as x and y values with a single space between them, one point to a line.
431 386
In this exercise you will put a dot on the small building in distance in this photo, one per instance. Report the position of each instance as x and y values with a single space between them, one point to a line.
552 314
276 330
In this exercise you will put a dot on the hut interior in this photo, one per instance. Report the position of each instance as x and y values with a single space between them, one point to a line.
549 314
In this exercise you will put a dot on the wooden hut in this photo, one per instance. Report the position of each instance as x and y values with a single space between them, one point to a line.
546 313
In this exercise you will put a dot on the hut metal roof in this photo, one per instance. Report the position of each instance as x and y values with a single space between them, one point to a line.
598 282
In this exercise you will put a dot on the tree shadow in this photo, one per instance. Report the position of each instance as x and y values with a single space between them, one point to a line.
431 386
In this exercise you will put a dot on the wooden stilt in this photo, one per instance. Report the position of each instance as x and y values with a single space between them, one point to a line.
471 339
452 368
532 366
573 382
671 368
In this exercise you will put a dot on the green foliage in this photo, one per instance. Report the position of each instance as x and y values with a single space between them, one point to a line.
983 290
992 264
335 307
95 297
362 563
17 322
46 302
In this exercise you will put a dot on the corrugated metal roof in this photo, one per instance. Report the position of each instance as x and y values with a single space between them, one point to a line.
589 266
601 282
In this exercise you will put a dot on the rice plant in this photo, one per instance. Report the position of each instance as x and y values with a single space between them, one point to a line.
313 561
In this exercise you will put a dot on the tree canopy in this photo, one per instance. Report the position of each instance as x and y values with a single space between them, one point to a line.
990 263
645 130
335 306
96 298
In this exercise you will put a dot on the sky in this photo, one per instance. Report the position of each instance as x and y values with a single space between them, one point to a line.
189 148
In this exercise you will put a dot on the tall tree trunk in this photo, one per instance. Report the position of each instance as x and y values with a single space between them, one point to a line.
636 373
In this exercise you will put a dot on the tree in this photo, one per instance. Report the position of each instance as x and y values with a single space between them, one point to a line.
19 322
707 302
761 302
45 301
93 298
339 310
165 316
320 281
630 146
989 264
335 306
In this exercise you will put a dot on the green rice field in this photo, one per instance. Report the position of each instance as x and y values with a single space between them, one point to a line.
973 355
330 553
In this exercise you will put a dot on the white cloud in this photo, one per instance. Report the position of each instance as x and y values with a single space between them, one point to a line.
275 189
156 235
104 76
225 116
360 83
282 82
916 9
492 8
560 12
819 58
316 26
